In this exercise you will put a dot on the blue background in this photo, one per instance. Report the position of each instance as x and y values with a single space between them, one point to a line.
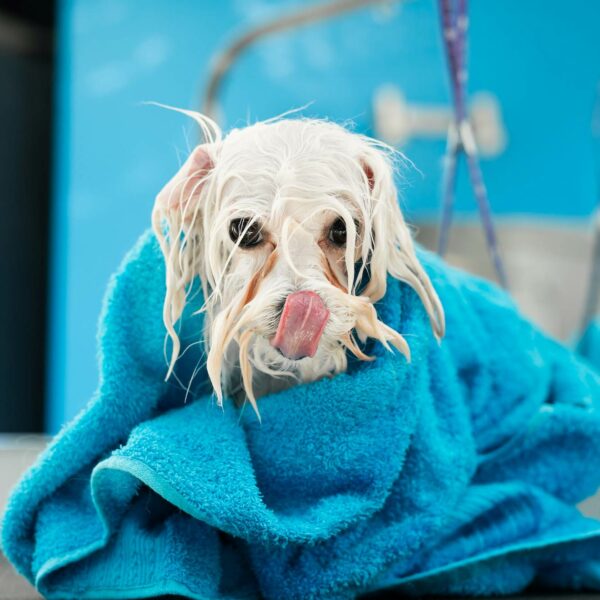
541 58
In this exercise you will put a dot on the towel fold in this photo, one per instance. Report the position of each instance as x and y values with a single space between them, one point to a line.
455 474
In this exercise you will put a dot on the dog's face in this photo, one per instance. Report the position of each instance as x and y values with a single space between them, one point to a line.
292 227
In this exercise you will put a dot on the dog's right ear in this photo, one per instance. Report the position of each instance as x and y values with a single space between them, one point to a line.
177 222
183 190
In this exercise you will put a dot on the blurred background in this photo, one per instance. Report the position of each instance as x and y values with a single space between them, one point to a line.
82 156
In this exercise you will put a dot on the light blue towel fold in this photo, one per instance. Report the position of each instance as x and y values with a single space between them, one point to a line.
455 474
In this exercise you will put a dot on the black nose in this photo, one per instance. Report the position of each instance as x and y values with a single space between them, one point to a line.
279 307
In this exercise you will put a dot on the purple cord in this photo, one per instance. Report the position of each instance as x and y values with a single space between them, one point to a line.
448 186
454 30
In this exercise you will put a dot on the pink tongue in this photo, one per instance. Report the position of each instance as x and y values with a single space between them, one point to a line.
302 322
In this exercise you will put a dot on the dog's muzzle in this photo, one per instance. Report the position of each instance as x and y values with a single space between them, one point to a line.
301 325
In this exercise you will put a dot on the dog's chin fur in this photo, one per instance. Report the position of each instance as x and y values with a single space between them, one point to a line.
273 372
291 178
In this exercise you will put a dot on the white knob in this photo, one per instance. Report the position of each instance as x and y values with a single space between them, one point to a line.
397 122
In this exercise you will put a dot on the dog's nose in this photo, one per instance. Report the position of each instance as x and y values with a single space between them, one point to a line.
279 307
301 325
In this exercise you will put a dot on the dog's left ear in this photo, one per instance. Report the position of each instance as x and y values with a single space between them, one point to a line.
393 250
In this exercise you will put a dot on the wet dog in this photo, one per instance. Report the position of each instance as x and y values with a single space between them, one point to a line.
292 227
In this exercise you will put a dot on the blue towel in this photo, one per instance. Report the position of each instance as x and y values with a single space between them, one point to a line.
455 474
589 343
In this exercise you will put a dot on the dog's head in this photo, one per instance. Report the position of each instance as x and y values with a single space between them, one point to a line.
292 227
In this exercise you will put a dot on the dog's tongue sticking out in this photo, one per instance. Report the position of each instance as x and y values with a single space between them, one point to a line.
302 322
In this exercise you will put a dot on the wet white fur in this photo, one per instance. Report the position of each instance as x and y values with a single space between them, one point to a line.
295 177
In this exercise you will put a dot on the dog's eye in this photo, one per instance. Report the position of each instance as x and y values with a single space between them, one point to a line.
337 232
246 233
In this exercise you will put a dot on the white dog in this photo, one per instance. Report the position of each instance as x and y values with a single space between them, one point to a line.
292 226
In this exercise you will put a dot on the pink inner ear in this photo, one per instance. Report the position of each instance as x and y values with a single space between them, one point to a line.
200 161
368 171
185 186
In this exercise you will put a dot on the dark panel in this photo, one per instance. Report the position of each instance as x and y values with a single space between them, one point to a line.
25 139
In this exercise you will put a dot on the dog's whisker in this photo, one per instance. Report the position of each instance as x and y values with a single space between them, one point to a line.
192 377
246 368
190 346
397 341
371 326
350 343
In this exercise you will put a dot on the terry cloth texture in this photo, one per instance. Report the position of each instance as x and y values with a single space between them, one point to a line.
454 474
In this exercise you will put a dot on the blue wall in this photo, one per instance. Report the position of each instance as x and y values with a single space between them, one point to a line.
540 58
